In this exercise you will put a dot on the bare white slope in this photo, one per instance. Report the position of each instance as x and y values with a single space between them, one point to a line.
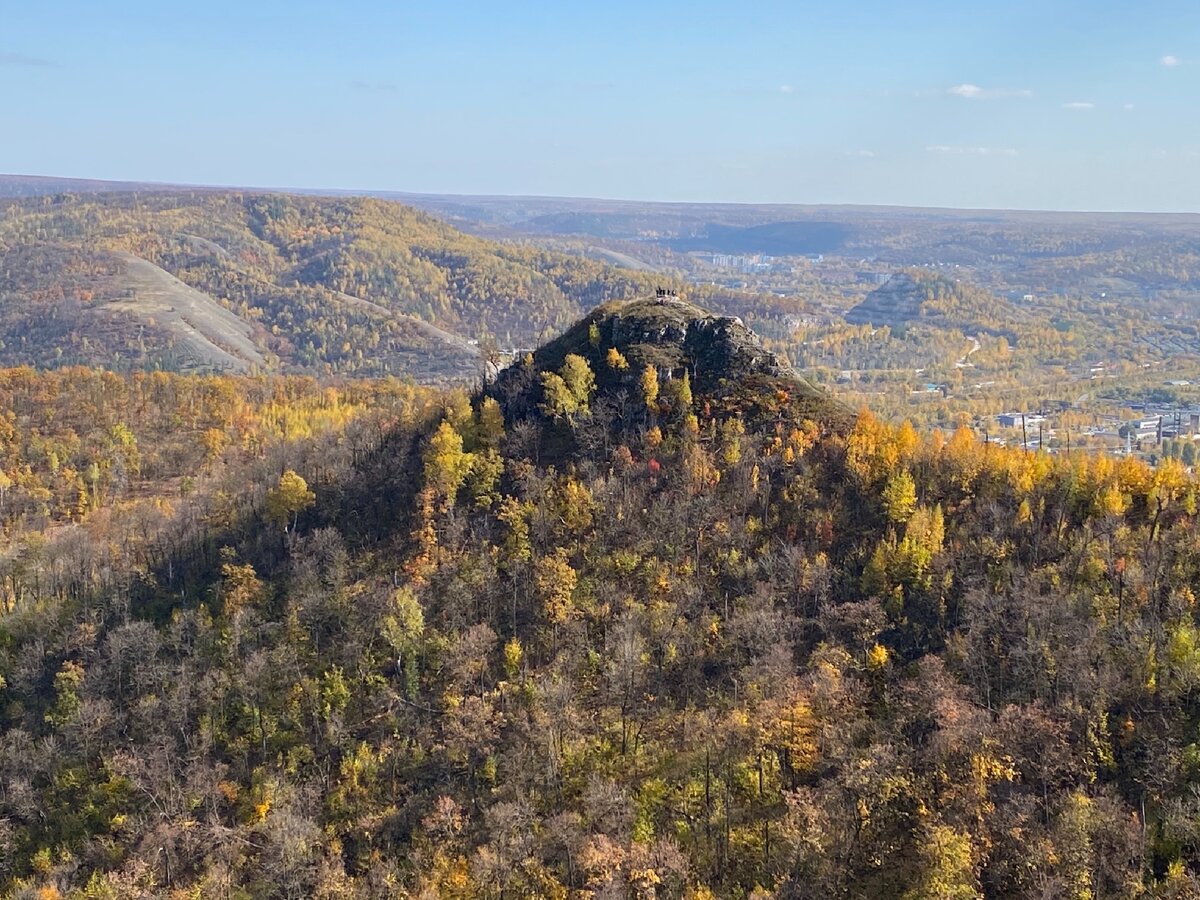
208 334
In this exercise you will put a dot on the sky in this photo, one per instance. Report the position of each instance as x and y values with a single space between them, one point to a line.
1026 104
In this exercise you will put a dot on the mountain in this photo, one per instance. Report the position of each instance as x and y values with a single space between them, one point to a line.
646 616
250 282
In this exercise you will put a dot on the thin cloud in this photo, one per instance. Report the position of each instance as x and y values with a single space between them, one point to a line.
861 154
1188 153
1127 106
975 92
971 151
8 58
374 87
760 90
1171 61
1079 104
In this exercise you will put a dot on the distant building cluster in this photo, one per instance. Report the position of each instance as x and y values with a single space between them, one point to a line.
756 262
1015 419
873 276
1153 426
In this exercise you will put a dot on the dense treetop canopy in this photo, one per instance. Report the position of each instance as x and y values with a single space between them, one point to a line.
659 630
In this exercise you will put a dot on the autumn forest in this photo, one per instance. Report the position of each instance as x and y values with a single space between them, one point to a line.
643 612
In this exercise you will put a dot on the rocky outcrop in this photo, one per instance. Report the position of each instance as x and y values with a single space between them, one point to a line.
669 333
722 345
719 353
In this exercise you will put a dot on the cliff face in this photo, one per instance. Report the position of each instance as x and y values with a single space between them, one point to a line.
676 334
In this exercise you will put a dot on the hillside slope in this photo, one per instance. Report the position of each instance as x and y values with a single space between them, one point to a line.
324 286
211 336
919 296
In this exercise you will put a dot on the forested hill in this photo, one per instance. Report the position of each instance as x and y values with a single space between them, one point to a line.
252 282
648 618
919 296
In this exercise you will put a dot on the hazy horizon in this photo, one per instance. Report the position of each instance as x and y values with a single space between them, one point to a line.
332 191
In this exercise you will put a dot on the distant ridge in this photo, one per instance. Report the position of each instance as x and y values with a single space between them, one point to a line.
21 186
521 207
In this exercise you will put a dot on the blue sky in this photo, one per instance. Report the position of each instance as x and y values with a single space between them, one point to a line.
1020 104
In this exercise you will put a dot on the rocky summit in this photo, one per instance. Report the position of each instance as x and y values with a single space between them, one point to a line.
719 354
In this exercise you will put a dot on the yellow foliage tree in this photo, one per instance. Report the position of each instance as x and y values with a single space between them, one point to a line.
791 731
555 581
288 499
900 497
948 866
490 431
649 382
446 463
